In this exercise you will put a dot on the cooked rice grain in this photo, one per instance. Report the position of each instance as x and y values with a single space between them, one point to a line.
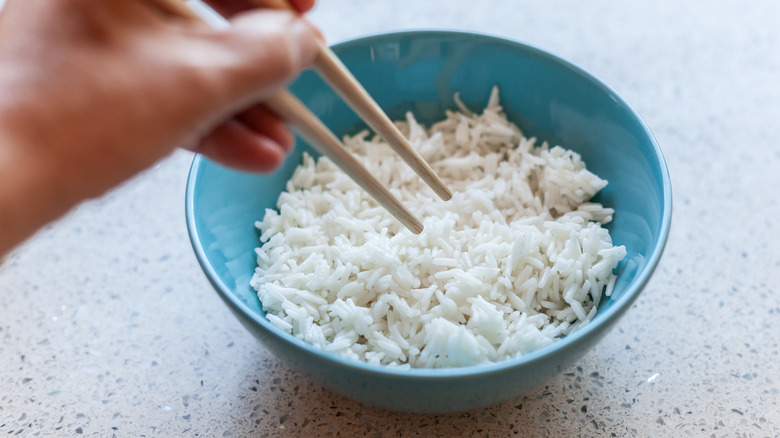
516 259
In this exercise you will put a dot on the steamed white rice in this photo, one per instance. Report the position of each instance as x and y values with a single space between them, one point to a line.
516 259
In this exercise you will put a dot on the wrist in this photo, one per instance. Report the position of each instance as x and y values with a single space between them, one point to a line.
30 194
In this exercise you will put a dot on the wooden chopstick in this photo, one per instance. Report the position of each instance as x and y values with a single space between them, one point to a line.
291 109
315 132
338 76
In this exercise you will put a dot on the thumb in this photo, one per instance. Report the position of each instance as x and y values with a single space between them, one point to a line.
267 49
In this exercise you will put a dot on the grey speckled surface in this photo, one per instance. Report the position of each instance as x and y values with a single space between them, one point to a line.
108 327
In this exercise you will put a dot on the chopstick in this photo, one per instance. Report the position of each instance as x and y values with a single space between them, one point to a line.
336 74
315 132
291 109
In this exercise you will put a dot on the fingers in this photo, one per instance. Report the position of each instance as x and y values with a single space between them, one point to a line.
265 50
243 146
229 8
273 46
262 120
244 64
302 6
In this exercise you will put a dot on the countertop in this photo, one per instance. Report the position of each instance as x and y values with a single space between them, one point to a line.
108 327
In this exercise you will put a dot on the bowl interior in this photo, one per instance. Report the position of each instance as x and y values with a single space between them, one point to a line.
420 72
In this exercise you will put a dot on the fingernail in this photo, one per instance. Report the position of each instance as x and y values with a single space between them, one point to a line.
315 29
306 36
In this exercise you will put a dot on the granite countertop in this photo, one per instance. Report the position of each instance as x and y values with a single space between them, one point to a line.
109 328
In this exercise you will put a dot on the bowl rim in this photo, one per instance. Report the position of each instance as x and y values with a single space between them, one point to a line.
607 318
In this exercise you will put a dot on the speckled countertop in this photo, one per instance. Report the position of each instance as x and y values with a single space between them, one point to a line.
109 328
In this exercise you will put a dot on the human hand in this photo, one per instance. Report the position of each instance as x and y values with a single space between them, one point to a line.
93 91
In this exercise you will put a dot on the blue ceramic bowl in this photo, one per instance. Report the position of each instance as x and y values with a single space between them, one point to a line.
420 71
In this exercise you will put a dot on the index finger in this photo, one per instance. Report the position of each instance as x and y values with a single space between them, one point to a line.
229 8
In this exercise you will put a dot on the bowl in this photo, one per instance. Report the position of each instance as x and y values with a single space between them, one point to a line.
420 71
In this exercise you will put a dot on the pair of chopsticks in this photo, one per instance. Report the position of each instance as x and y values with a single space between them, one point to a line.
308 126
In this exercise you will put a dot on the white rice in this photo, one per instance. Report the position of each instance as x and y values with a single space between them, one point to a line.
516 259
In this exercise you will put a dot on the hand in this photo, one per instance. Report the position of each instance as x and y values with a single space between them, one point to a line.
93 91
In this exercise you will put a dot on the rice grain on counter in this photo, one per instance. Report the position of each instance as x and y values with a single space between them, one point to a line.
516 259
